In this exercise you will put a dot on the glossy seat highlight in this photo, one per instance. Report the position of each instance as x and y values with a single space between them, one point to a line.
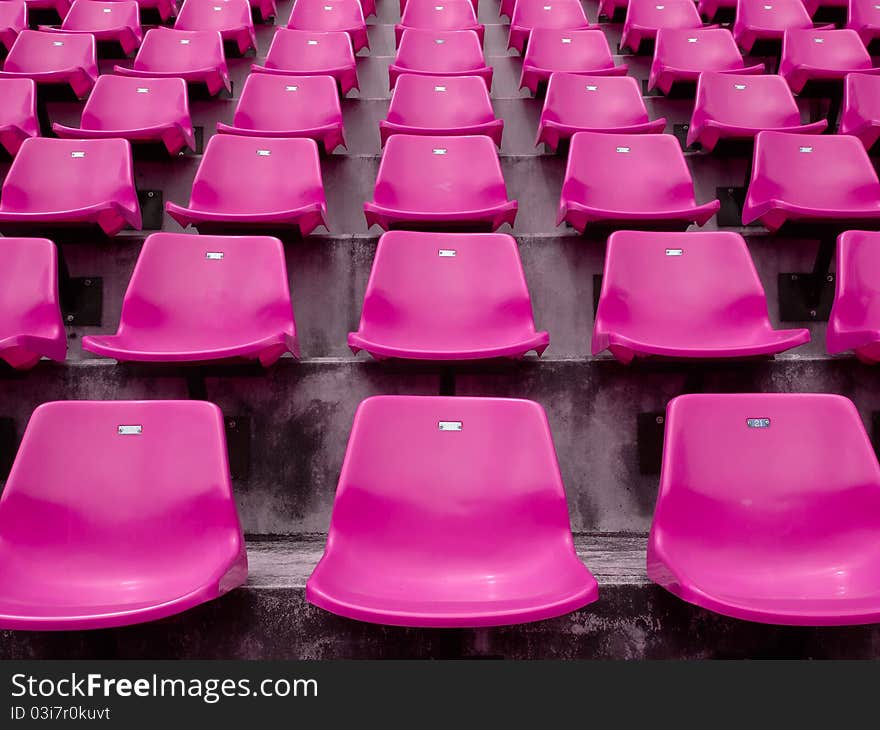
116 513
863 16
331 15
246 182
574 51
645 17
289 106
312 53
554 14
18 113
860 115
110 21
200 298
481 316
440 53
13 20
231 18
440 105
60 182
767 20
854 323
822 55
737 107
629 180
684 295
578 103
440 182
450 512
139 110
54 58
439 15
759 518
821 179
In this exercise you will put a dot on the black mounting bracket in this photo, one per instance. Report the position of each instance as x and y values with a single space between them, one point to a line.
732 200
82 300
8 445
805 297
238 443
152 209
681 132
597 291
650 441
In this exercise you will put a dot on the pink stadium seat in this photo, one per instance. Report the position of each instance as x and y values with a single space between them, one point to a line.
635 180
863 16
480 317
200 298
109 21
13 20
759 518
440 182
822 55
811 179
680 56
684 295
767 20
331 15
578 103
855 316
231 18
553 14
195 56
253 183
437 105
30 315
65 182
139 110
59 6
18 113
439 15
289 106
116 513
731 106
403 5
435 525
645 17
54 58
572 51
860 114
440 53
709 8
312 53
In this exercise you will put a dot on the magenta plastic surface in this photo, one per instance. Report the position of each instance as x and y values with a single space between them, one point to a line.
440 105
439 15
639 180
684 295
574 51
197 298
823 179
478 316
18 113
247 182
331 15
312 53
289 106
860 115
231 18
440 182
107 20
440 53
554 14
680 56
195 56
767 20
768 509
54 58
139 110
59 6
30 315
116 513
709 8
645 17
71 182
822 55
576 103
450 512
863 16
734 106
13 20
855 316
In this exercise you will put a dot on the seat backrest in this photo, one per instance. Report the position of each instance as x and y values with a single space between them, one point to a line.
19 98
427 100
863 12
38 51
428 49
773 14
743 99
92 15
13 14
438 13
123 102
862 92
549 14
214 15
701 49
568 50
29 290
858 284
663 13
308 49
311 13
600 97
279 101
166 49
840 48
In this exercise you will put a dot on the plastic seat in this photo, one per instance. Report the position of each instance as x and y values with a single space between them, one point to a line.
30 315
117 513
54 58
196 56
573 51
289 106
684 295
645 17
139 110
439 105
817 179
854 323
735 107
767 20
863 16
822 55
113 21
759 518
860 114
331 15
440 182
440 53
13 20
247 182
61 182
439 15
636 180
578 103
474 3
481 316
450 512
231 18
312 53
18 113
553 14
200 298
709 8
